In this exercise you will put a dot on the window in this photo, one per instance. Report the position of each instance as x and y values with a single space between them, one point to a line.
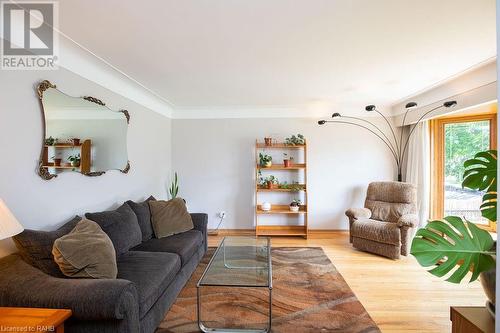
456 139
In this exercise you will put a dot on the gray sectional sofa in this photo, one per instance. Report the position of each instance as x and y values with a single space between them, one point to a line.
151 273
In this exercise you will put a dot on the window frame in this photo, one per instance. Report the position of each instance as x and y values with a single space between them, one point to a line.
437 153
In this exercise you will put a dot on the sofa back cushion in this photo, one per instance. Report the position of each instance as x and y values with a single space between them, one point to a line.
35 246
170 217
388 201
121 226
86 252
141 209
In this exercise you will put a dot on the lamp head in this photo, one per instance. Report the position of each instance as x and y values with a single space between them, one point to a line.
336 114
370 108
410 105
321 122
449 104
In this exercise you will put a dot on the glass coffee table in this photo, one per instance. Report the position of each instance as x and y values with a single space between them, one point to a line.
240 262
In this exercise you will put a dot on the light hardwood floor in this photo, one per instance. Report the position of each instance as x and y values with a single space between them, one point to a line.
400 295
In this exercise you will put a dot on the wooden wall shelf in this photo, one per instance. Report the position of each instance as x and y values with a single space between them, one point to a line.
262 229
263 189
84 149
281 209
298 166
279 145
278 230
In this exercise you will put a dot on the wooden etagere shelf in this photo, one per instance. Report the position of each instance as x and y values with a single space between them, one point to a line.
262 229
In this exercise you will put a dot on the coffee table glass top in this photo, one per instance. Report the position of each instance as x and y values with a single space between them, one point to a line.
240 261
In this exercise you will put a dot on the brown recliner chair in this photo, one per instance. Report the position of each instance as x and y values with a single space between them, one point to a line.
386 224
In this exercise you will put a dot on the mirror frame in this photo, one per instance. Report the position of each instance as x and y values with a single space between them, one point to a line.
43 171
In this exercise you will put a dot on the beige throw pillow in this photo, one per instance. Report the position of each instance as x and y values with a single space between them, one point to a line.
86 252
170 217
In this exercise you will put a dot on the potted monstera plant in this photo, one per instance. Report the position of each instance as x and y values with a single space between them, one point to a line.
453 247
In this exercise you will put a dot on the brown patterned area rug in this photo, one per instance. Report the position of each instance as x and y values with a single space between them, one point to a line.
309 295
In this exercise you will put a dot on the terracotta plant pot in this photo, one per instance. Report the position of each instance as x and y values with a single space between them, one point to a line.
287 163
76 142
268 141
270 185
57 161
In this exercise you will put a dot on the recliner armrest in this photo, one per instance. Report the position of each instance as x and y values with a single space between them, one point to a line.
408 220
22 285
357 213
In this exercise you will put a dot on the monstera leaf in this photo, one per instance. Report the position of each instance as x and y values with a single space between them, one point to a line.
454 244
481 174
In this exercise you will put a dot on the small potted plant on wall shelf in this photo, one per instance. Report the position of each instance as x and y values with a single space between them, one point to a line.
57 161
268 141
295 205
287 160
295 140
75 160
272 182
75 141
50 141
265 161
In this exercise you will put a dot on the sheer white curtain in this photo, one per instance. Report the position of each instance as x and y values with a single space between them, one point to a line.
418 167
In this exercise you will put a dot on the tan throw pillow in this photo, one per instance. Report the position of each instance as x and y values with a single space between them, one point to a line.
86 252
170 217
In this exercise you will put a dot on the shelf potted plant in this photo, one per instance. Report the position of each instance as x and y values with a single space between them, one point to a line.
271 182
295 205
57 161
295 140
265 161
268 141
50 141
287 160
454 246
75 141
74 160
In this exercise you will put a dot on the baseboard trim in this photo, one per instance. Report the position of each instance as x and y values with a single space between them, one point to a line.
312 233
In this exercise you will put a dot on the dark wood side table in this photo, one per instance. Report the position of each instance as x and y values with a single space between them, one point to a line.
33 320
471 319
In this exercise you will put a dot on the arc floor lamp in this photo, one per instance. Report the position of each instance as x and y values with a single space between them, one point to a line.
397 147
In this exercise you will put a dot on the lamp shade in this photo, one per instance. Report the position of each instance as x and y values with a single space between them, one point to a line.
9 226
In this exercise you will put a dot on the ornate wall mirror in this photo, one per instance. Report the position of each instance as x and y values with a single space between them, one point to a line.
80 134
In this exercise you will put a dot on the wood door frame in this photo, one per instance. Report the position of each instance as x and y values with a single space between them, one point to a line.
437 154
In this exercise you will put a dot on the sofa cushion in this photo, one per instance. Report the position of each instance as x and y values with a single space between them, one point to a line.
35 246
185 244
170 217
141 209
86 252
150 272
121 226
382 232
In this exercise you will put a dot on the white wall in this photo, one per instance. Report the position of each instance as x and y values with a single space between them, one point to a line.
215 161
40 204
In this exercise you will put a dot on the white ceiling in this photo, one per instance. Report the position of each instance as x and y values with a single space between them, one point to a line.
306 54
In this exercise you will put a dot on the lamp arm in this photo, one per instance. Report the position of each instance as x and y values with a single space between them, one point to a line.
374 133
413 129
381 132
392 131
401 136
